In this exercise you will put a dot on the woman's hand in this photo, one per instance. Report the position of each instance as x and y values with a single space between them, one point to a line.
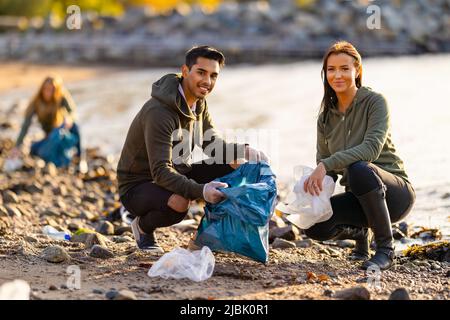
15 153
313 184
68 123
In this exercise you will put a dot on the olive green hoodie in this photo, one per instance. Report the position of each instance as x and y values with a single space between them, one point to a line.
155 136
362 133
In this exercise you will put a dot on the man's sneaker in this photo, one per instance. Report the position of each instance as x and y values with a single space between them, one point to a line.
144 241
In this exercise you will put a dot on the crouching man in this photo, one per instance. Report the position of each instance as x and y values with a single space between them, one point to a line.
157 179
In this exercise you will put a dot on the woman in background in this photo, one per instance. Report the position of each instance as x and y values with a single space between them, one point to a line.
54 108
354 140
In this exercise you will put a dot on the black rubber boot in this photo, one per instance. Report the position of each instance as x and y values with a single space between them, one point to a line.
360 235
377 214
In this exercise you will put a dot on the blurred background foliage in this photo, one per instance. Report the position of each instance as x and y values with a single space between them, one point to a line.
32 8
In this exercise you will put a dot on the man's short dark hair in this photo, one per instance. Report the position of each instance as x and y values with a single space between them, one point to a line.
204 52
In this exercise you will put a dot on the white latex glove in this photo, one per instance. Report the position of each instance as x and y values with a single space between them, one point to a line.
210 192
255 156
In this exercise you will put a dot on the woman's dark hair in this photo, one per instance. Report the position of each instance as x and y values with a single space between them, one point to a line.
204 52
329 96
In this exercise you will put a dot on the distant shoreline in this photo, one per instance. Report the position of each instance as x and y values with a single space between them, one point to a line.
251 32
117 51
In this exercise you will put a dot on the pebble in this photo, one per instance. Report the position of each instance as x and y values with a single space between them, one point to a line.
60 190
3 211
128 234
95 239
122 239
50 169
35 296
435 266
90 198
80 238
287 233
121 230
55 254
404 227
121 295
282 244
31 239
345 243
98 291
307 243
53 288
10 197
410 266
355 293
111 294
400 294
324 250
334 253
276 222
87 215
51 213
125 295
34 188
101 252
74 226
106 228
446 195
422 263
328 292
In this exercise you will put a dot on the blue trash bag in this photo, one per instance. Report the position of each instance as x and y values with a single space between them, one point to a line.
58 147
240 222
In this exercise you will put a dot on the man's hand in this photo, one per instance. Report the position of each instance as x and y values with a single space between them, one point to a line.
255 156
313 185
210 192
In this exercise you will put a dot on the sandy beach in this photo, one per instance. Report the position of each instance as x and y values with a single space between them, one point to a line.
280 99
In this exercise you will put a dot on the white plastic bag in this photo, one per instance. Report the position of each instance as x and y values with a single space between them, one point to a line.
305 210
181 263
15 290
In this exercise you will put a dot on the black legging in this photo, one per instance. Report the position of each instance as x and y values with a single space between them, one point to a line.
149 201
364 177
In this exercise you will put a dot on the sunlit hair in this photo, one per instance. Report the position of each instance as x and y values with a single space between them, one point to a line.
52 113
204 52
329 97
58 93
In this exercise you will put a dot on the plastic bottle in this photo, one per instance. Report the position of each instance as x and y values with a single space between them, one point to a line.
55 234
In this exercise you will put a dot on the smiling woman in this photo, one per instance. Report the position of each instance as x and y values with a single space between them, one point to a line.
354 140
343 72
